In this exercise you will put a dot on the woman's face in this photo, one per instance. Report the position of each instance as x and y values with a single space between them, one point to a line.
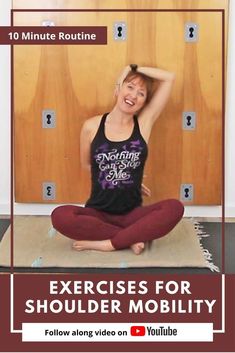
132 95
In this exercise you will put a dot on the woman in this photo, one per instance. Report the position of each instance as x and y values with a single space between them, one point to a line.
114 149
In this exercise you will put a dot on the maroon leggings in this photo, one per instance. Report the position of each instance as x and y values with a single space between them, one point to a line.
142 224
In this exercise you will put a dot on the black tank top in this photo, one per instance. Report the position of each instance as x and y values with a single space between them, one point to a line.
117 171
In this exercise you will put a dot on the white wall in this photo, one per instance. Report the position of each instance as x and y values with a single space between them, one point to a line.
4 113
201 211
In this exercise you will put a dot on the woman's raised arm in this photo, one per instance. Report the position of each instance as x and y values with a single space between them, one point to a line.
159 99
162 93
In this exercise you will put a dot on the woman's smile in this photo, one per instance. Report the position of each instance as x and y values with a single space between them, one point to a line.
129 102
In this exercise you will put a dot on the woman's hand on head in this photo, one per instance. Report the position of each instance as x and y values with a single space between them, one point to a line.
123 75
121 79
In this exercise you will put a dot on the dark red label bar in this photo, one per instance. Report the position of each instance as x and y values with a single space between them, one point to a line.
53 35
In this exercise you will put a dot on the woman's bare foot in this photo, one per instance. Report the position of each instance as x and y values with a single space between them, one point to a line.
137 248
101 245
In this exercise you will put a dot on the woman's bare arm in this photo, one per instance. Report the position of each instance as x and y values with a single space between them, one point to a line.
162 93
154 108
85 146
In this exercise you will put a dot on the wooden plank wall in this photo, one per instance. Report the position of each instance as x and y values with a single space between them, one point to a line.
78 82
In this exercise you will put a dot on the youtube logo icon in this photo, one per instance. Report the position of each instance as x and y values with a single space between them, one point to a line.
137 331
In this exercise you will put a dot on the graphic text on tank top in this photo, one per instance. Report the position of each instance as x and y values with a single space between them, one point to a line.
116 165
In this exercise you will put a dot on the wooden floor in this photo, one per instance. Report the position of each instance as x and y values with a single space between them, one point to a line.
215 219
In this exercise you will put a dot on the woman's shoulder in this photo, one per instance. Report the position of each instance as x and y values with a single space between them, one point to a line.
92 123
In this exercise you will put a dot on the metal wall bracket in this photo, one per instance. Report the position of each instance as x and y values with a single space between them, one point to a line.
48 119
120 31
189 120
48 191
191 32
186 192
